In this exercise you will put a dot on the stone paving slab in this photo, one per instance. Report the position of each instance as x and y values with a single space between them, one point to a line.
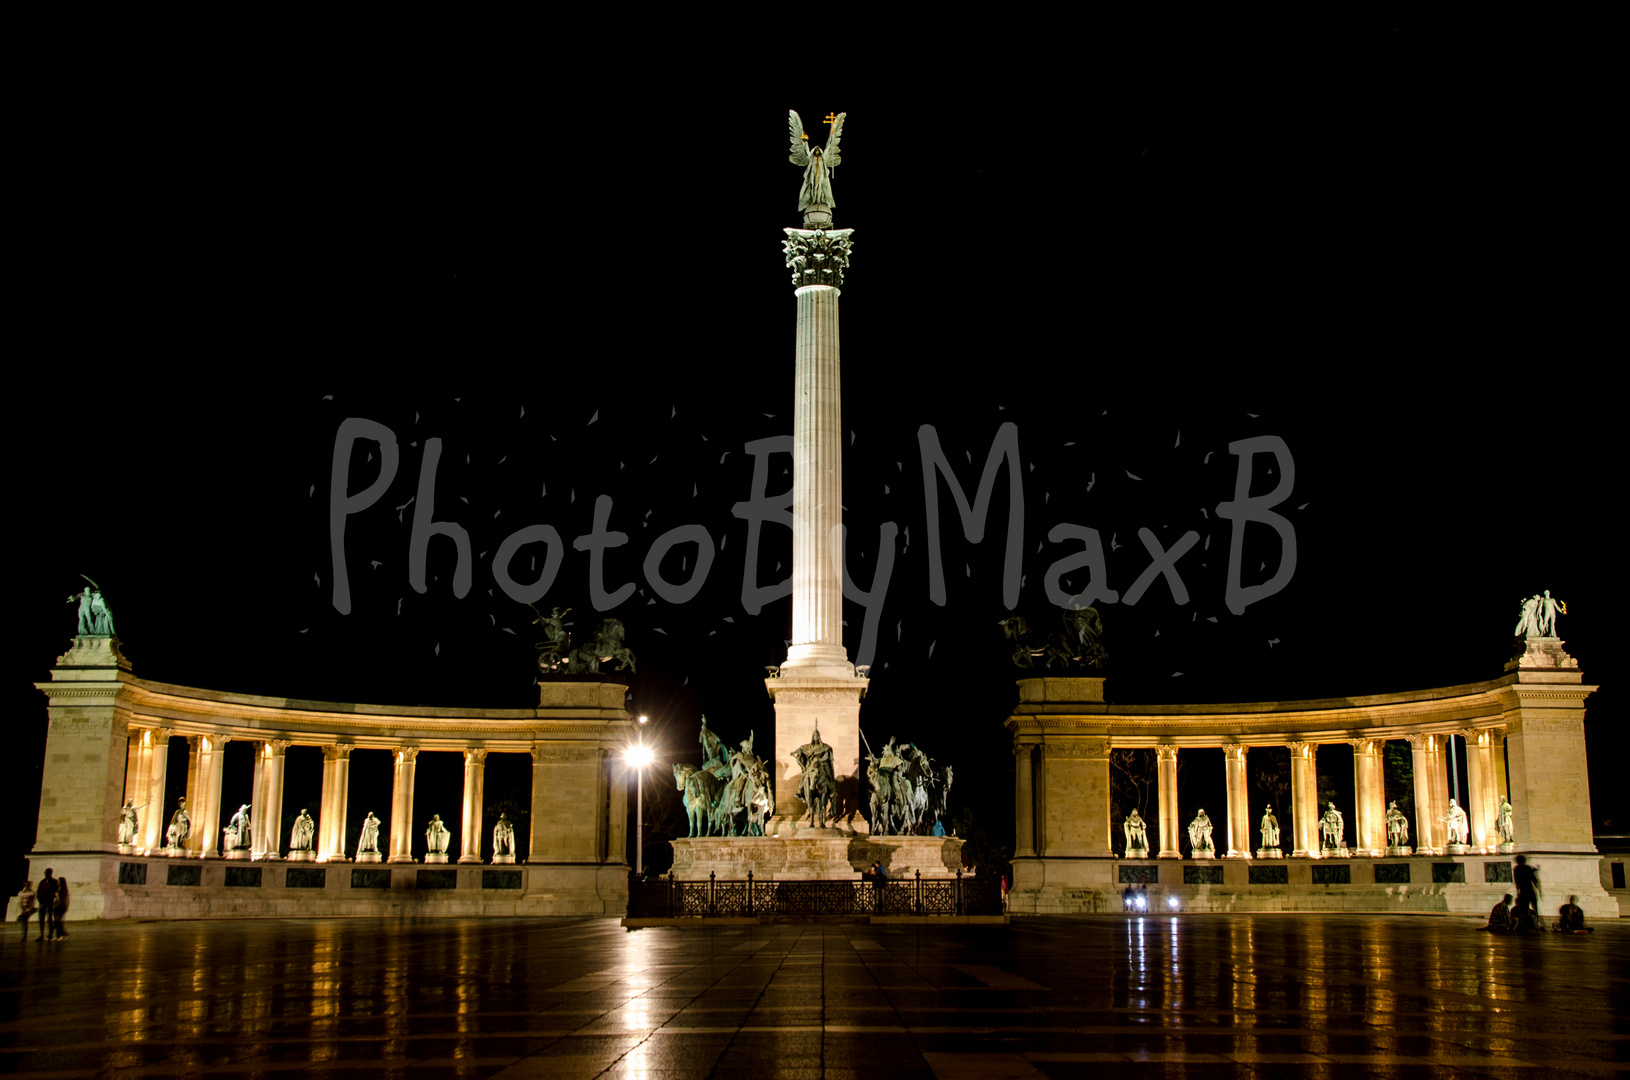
1210 995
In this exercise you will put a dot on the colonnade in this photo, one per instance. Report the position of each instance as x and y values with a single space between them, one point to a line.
146 779
1485 784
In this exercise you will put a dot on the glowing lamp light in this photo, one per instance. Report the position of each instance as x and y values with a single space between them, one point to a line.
1173 903
638 755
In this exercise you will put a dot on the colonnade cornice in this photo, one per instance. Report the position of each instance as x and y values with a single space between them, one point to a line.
1142 737
166 699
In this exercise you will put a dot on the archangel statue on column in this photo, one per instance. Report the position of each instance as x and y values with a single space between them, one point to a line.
815 199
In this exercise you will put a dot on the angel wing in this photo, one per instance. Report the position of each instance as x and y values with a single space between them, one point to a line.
830 153
800 141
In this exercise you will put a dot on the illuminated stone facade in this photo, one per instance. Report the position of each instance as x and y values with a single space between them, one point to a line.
109 741
1525 739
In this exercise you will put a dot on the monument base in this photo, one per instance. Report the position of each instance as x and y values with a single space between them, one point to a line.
239 853
368 856
436 857
1269 853
1336 852
503 860
814 855
1208 853
1503 849
127 849
1399 851
1455 849
1137 853
302 856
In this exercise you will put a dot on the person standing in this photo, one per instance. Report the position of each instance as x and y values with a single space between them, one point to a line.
46 894
25 905
1527 882
59 907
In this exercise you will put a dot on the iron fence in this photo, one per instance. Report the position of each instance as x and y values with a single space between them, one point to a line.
670 898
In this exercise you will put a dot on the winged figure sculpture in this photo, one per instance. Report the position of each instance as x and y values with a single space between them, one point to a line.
815 200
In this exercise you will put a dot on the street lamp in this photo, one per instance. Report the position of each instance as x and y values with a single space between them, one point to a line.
639 756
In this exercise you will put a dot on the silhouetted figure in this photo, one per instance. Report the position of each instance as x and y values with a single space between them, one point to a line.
1570 920
1500 917
1527 881
47 896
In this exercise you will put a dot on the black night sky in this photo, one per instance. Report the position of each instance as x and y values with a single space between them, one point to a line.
1366 255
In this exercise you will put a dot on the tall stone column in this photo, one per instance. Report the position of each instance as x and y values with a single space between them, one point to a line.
1480 790
86 748
1170 826
1239 808
1024 799
402 805
257 804
817 686
134 793
1369 795
475 793
139 788
1428 762
194 841
270 813
336 801
158 818
1497 753
211 763
1304 799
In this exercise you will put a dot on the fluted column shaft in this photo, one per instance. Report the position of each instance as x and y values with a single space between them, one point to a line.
475 793
194 775
158 760
270 813
1369 793
402 805
1304 799
211 762
1428 759
1239 809
1024 800
817 487
1479 815
1170 827
336 801
135 793
257 804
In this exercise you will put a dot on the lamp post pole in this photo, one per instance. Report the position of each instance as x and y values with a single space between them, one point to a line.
639 756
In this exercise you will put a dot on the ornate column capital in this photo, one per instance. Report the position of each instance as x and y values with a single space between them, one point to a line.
407 755
1234 752
1475 736
1296 746
475 755
162 735
817 256
1366 746
277 747
1166 753
338 751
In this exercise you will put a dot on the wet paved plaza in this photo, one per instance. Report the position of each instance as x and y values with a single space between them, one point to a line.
1206 995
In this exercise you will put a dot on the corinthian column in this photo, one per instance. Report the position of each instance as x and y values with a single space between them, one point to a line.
1170 827
270 811
475 788
1479 810
1428 761
158 760
336 802
211 762
817 686
1369 793
1239 821
1304 799
402 805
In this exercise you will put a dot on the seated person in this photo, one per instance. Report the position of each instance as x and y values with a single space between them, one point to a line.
1500 917
1570 919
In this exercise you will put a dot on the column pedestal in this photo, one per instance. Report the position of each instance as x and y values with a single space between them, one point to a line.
803 705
